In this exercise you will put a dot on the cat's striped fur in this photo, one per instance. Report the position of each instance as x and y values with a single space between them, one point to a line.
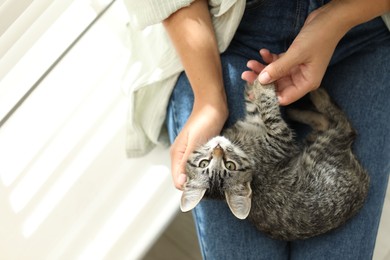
287 190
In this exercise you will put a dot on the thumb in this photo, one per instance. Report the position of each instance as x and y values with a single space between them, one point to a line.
178 153
279 68
181 171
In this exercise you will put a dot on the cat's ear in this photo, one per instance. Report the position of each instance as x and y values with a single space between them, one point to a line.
190 198
239 200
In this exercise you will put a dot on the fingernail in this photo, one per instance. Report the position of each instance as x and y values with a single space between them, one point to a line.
181 179
264 78
279 99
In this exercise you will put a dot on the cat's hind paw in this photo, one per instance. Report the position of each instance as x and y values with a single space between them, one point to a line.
315 120
320 99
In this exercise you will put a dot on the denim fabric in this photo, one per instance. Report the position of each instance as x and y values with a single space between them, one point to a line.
358 79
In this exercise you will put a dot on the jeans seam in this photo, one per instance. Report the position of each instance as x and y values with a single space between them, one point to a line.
254 5
289 40
174 118
200 236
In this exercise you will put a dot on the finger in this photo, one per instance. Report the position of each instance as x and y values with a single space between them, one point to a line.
290 94
249 76
255 66
178 174
267 56
177 153
181 176
279 68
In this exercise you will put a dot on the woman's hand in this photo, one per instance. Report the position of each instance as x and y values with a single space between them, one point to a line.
205 122
301 69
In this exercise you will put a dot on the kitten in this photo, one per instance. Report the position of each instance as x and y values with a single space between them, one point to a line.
289 191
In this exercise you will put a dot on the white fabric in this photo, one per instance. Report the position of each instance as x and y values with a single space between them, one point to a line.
148 12
386 18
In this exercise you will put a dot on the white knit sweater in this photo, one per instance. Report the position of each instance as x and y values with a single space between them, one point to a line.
154 65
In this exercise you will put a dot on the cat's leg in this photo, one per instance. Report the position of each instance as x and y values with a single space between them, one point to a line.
250 106
278 134
324 105
264 98
317 121
339 130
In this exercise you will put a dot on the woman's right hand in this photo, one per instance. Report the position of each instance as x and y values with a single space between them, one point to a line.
192 34
206 121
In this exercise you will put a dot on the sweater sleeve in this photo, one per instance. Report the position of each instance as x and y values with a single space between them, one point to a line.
147 12
386 19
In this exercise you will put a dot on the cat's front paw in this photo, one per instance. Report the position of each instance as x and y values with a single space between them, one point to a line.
260 89
249 94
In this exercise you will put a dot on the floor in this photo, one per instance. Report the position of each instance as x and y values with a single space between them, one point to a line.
179 241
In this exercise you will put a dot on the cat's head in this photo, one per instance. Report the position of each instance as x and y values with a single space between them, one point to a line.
219 168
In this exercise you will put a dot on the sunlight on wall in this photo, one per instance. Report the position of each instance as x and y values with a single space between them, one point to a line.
51 44
67 189
81 113
73 171
66 23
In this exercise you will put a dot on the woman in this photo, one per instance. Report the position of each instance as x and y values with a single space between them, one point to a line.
342 45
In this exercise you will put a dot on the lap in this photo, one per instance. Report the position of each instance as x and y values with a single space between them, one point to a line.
360 84
223 236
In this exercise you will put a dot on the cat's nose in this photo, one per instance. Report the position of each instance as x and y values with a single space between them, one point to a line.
218 151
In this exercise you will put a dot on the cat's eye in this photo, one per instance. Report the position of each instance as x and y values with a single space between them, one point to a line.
230 165
204 163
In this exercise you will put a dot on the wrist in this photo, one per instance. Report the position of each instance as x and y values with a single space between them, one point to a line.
213 105
333 20
351 13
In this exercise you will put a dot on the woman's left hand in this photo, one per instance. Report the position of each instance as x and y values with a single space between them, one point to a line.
301 69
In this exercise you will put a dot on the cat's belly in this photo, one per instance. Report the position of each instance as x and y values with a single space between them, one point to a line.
291 218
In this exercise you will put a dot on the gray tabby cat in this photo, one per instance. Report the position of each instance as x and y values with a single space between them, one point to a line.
288 191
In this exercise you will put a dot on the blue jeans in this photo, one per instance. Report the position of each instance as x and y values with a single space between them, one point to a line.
358 79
